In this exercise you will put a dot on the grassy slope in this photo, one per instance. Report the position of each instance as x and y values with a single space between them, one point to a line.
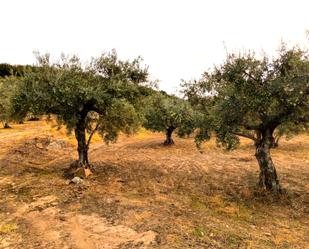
189 199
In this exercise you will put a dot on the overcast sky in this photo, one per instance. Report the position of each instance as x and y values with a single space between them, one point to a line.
177 39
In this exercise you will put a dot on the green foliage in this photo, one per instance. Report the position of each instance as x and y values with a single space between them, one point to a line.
202 101
248 96
199 232
5 70
7 88
122 116
102 95
163 112
13 70
289 130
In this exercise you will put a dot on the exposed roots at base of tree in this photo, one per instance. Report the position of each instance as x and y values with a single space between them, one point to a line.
6 126
168 143
77 164
276 190
76 168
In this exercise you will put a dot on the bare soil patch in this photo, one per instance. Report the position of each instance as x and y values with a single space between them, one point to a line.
145 195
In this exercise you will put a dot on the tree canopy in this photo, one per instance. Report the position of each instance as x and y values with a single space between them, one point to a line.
100 96
288 130
164 113
15 70
7 88
254 96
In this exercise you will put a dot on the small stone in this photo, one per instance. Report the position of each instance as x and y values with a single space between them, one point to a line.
39 146
109 200
62 218
77 180
268 234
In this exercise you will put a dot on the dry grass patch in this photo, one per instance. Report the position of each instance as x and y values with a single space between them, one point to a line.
174 197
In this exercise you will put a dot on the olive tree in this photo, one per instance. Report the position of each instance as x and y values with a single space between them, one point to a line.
7 87
288 130
164 113
255 96
99 97
13 70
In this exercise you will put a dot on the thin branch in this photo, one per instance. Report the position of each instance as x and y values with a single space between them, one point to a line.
251 77
246 135
91 134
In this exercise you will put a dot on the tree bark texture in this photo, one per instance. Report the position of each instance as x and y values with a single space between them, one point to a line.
268 178
169 140
6 125
82 148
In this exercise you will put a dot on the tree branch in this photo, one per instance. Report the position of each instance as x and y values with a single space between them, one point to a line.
251 77
246 135
91 134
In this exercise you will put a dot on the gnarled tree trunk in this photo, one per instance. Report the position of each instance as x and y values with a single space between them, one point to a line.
82 148
6 125
169 132
268 176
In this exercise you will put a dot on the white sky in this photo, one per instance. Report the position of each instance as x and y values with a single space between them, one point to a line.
177 39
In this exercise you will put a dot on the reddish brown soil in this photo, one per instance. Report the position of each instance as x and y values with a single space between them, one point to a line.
145 195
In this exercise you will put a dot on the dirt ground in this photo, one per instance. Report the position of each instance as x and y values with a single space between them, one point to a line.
145 195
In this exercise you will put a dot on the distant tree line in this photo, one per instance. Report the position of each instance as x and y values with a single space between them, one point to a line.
9 75
14 70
